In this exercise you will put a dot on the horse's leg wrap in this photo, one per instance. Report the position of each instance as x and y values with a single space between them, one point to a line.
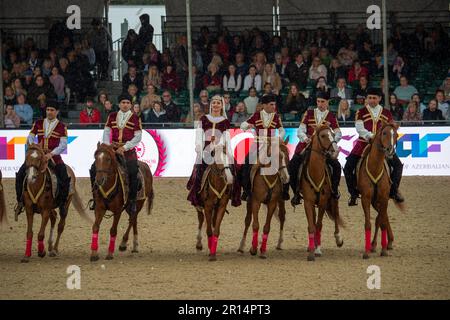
317 238
311 242
255 240
28 248
265 236
368 239
94 243
384 240
41 246
214 241
210 243
112 244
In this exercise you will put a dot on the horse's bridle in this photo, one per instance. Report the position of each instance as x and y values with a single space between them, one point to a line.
325 151
388 151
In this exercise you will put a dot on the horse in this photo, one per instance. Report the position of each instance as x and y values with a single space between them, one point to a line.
108 193
267 189
374 185
38 198
315 185
215 194
3 216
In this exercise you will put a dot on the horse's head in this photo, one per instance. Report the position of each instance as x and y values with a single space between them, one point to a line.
222 163
274 156
386 138
35 162
324 138
105 163
283 155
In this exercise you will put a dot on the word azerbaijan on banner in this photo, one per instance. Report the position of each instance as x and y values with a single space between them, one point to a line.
171 152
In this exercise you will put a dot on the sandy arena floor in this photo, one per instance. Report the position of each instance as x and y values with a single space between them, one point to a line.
169 267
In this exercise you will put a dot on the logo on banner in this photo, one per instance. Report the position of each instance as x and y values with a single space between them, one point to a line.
411 144
152 151
8 147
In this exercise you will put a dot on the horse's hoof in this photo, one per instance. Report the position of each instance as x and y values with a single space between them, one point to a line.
199 248
253 251
94 258
25 260
263 255
340 244
240 250
384 253
279 248
311 257
318 253
122 248
134 251
109 257
52 254
365 255
42 254
374 249
212 258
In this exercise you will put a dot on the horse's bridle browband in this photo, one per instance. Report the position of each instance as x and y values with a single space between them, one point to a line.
324 151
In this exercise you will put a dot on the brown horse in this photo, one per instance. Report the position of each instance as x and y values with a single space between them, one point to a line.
3 216
38 198
374 185
215 195
315 185
109 195
267 189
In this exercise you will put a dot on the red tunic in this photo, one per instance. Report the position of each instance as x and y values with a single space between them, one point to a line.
310 121
210 128
52 141
371 124
269 131
125 134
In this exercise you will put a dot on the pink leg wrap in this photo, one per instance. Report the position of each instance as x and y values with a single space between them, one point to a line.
40 246
28 248
94 244
368 244
384 241
264 242
214 241
112 244
317 238
311 242
255 240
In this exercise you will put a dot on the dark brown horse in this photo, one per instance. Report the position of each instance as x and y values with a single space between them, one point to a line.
315 185
38 198
3 214
109 195
215 196
374 185
267 188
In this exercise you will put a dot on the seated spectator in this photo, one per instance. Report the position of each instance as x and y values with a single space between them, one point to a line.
229 109
204 101
325 57
341 91
169 79
137 110
148 100
240 114
281 68
198 113
251 101
399 69
365 55
101 98
321 85
356 72
298 71
317 70
232 81
336 71
252 80
23 110
377 67
47 68
241 66
18 87
11 119
90 114
271 76
173 112
132 77
345 114
88 51
446 87
412 115
157 114
396 107
416 99
10 96
360 94
347 55
296 103
212 80
133 92
442 105
58 83
108 108
153 54
40 91
153 77
432 113
404 91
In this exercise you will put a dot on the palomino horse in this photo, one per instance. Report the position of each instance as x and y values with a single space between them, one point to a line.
215 195
109 195
267 189
38 198
315 185
3 217
374 185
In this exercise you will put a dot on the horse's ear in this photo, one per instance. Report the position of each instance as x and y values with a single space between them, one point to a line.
286 141
395 125
98 144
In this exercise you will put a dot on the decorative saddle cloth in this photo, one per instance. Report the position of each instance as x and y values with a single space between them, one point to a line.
374 179
123 177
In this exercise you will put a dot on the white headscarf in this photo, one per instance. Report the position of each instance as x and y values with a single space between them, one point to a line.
220 98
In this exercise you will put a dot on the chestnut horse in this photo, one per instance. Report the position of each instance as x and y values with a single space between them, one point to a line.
215 196
374 185
3 216
315 185
267 189
109 195
38 198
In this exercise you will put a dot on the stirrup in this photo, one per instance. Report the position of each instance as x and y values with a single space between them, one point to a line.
353 201
296 199
336 195
91 204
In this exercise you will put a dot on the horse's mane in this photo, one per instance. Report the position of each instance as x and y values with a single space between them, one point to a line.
36 147
108 149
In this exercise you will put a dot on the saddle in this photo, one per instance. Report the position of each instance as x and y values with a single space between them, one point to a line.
124 181
364 155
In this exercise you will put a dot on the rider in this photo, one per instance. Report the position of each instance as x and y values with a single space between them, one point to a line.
207 127
313 119
368 120
52 134
123 129
264 122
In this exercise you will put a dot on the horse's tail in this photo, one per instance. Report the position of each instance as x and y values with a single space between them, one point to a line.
78 204
3 217
333 212
150 198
